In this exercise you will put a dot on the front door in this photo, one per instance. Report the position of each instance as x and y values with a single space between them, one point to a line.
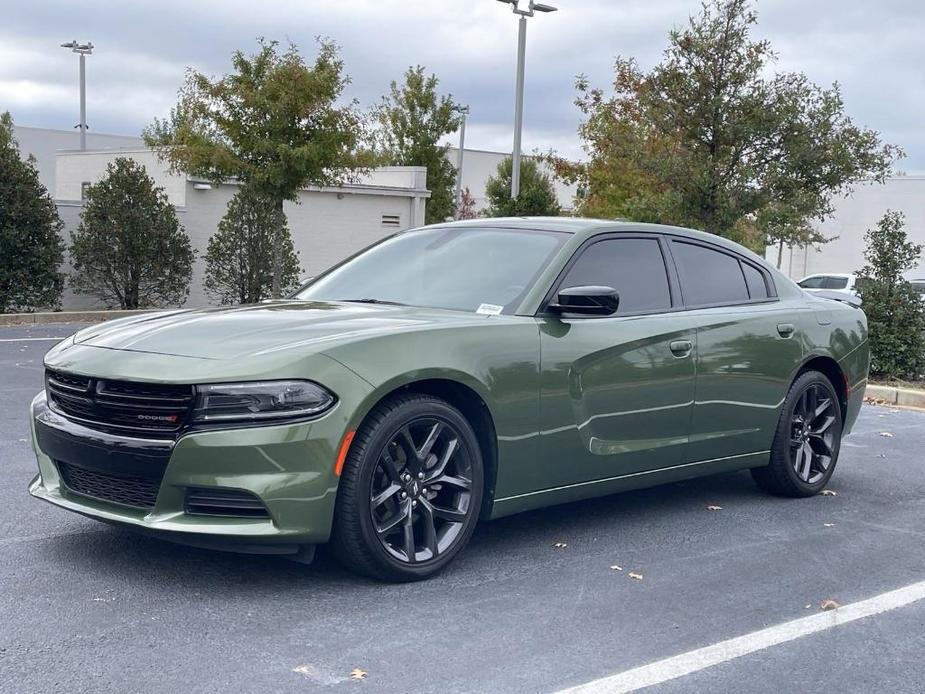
617 392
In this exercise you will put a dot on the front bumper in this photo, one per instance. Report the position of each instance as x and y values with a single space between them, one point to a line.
288 467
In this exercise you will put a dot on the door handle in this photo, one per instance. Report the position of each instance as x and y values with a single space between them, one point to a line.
681 348
785 329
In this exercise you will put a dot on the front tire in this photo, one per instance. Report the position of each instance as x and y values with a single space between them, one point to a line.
807 440
410 491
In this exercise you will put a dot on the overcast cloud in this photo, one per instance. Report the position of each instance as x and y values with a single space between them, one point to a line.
874 49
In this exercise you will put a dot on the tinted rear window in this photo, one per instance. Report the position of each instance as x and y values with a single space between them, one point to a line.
708 276
754 278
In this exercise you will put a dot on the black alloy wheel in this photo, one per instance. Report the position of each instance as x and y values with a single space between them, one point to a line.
411 490
812 433
807 439
421 490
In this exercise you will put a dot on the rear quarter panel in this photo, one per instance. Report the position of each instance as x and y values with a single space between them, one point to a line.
839 331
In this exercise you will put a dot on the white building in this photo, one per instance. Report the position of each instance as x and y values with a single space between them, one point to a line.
853 216
327 223
479 165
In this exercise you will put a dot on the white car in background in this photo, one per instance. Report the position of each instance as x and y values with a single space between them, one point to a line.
833 285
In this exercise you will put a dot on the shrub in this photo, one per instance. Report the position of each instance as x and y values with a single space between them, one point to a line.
130 250
894 310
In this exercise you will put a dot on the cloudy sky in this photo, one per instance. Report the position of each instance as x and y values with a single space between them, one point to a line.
874 49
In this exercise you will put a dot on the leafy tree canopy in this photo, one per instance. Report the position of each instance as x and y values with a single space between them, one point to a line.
130 250
274 123
30 246
895 313
711 138
239 260
537 195
413 119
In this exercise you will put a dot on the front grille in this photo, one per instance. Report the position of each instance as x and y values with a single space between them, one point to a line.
120 407
120 489
224 502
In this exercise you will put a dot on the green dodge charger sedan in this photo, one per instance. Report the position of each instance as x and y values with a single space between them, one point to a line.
448 374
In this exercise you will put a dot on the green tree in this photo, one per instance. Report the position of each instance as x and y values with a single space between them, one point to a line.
239 260
712 138
413 119
30 246
537 196
129 249
274 124
895 314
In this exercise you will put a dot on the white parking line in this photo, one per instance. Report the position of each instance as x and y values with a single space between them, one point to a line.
702 658
32 339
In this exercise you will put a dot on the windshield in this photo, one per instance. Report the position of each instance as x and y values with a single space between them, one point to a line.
466 269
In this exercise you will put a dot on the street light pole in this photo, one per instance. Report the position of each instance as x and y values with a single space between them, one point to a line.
519 105
463 111
531 8
83 50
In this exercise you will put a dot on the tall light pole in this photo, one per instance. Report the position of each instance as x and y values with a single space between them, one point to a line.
463 111
83 50
523 8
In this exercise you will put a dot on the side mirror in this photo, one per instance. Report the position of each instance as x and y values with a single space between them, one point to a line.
586 301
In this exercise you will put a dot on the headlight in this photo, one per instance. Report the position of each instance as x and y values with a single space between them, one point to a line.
225 402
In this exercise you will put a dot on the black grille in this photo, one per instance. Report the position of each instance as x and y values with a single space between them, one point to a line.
120 489
224 502
147 409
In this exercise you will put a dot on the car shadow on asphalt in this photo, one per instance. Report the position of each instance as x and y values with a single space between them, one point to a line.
140 559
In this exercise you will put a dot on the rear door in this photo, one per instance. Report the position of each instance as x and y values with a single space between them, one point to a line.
747 349
617 391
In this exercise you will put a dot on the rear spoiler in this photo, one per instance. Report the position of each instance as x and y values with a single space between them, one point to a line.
850 299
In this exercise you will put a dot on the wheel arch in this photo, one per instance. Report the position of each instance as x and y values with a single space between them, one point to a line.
464 397
829 368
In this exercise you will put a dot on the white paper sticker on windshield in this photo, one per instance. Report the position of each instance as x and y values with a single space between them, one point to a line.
489 309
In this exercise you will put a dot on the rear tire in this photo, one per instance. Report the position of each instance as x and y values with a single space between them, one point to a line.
807 439
410 491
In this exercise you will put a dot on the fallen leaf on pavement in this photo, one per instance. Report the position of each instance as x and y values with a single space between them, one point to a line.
357 674
304 670
560 545
633 574
829 525
616 568
714 508
828 605
886 434
829 492
808 606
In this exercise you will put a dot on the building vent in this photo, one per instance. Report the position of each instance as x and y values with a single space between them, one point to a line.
392 221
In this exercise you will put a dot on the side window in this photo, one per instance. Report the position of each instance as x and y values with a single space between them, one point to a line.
708 276
813 282
836 282
754 278
634 267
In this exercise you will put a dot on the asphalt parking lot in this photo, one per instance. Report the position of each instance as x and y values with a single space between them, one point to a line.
89 608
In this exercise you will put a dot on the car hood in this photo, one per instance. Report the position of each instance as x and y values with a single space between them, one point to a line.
233 333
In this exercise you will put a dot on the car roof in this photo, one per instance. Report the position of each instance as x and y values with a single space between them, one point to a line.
583 228
846 275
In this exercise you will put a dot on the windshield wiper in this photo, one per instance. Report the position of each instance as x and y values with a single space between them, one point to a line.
373 301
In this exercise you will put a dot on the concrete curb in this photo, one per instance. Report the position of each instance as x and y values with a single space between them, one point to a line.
900 397
7 319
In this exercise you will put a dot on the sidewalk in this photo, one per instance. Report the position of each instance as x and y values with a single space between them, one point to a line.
67 316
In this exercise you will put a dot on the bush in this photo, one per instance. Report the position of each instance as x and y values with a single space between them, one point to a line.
537 196
894 310
30 248
130 250
239 261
